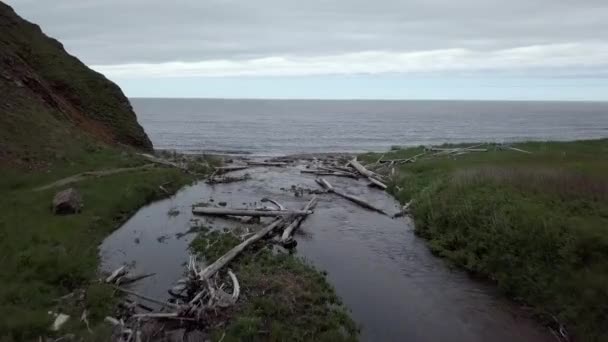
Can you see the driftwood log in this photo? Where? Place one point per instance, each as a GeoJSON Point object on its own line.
{"type": "Point", "coordinates": [519, 150]}
{"type": "Point", "coordinates": [278, 164]}
{"type": "Point", "coordinates": [212, 269]}
{"type": "Point", "coordinates": [247, 212]}
{"type": "Point", "coordinates": [327, 186]}
{"type": "Point", "coordinates": [295, 223]}
{"type": "Point", "coordinates": [330, 173]}
{"type": "Point", "coordinates": [403, 160]}
{"type": "Point", "coordinates": [277, 204]}
{"type": "Point", "coordinates": [372, 176]}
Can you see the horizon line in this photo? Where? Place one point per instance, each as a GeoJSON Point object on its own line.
{"type": "Point", "coordinates": [359, 99]}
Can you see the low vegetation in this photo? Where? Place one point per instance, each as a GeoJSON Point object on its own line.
{"type": "Point", "coordinates": [536, 224]}
{"type": "Point", "coordinates": [283, 298]}
{"type": "Point", "coordinates": [44, 257]}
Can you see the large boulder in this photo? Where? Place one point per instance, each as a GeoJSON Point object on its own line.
{"type": "Point", "coordinates": [67, 202]}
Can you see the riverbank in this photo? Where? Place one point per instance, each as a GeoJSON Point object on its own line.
{"type": "Point", "coordinates": [51, 262]}
{"type": "Point", "coordinates": [388, 282]}
{"type": "Point", "coordinates": [46, 257]}
{"type": "Point", "coordinates": [534, 223]}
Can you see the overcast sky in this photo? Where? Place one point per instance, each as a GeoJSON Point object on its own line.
{"type": "Point", "coordinates": [470, 49]}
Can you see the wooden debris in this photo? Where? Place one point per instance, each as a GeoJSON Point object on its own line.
{"type": "Point", "coordinates": [84, 318]}
{"type": "Point", "coordinates": [60, 320]}
{"type": "Point", "coordinates": [277, 204]}
{"type": "Point", "coordinates": [330, 173]}
{"type": "Point", "coordinates": [247, 212]}
{"type": "Point", "coordinates": [325, 184]}
{"type": "Point", "coordinates": [231, 254]}
{"type": "Point", "coordinates": [405, 210]}
{"type": "Point", "coordinates": [518, 150]}
{"type": "Point", "coordinates": [236, 288]}
{"type": "Point", "coordinates": [277, 164]}
{"type": "Point", "coordinates": [293, 225]}
{"type": "Point", "coordinates": [127, 279]}
{"type": "Point", "coordinates": [117, 273]}
{"type": "Point", "coordinates": [372, 176]}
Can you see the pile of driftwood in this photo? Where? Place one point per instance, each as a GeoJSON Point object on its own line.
{"type": "Point", "coordinates": [432, 151]}
{"type": "Point", "coordinates": [352, 169]}
{"type": "Point", "coordinates": [206, 288]}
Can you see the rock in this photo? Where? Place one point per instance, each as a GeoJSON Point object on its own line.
{"type": "Point", "coordinates": [67, 201]}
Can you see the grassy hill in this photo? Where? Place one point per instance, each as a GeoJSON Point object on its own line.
{"type": "Point", "coordinates": [52, 106]}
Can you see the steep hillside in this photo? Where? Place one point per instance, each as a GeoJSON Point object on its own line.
{"type": "Point", "coordinates": [50, 101]}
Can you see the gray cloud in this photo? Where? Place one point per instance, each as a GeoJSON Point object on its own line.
{"type": "Point", "coordinates": [118, 32]}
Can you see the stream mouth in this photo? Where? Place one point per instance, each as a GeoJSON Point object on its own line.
{"type": "Point", "coordinates": [395, 288]}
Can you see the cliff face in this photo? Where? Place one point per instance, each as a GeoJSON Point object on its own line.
{"type": "Point", "coordinates": [49, 98]}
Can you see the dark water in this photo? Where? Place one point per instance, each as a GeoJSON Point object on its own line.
{"type": "Point", "coordinates": [278, 127]}
{"type": "Point", "coordinates": [386, 275]}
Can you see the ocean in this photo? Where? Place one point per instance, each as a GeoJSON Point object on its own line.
{"type": "Point", "coordinates": [280, 127]}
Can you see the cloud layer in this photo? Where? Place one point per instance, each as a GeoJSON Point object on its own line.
{"type": "Point", "coordinates": [112, 32]}
{"type": "Point", "coordinates": [556, 59]}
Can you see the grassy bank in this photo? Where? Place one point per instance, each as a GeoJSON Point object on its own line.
{"type": "Point", "coordinates": [536, 224]}
{"type": "Point", "coordinates": [283, 298]}
{"type": "Point", "coordinates": [44, 257]}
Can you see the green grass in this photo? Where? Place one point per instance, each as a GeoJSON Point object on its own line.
{"type": "Point", "coordinates": [44, 257]}
{"type": "Point", "coordinates": [536, 224]}
{"type": "Point", "coordinates": [283, 298]}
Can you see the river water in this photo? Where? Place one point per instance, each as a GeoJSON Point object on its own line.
{"type": "Point", "coordinates": [396, 289]}
{"type": "Point", "coordinates": [281, 127]}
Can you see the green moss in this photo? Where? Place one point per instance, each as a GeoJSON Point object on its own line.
{"type": "Point", "coordinates": [283, 297]}
{"type": "Point", "coordinates": [536, 224]}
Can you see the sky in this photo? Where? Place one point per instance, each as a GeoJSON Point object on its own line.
{"type": "Point", "coordinates": [346, 49]}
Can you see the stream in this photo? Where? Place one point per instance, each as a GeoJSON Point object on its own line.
{"type": "Point", "coordinates": [394, 287]}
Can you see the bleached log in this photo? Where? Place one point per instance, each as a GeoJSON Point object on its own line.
{"type": "Point", "coordinates": [60, 320]}
{"type": "Point", "coordinates": [404, 210]}
{"type": "Point", "coordinates": [117, 273]}
{"type": "Point", "coordinates": [325, 184]}
{"type": "Point", "coordinates": [330, 173]}
{"type": "Point", "coordinates": [361, 169]}
{"type": "Point", "coordinates": [519, 150]}
{"type": "Point", "coordinates": [339, 169]}
{"type": "Point", "coordinates": [377, 183]}
{"type": "Point", "coordinates": [293, 225]}
{"type": "Point", "coordinates": [247, 212]}
{"type": "Point", "coordinates": [277, 204]}
{"type": "Point", "coordinates": [112, 321]}
{"type": "Point", "coordinates": [372, 176]}
{"type": "Point", "coordinates": [131, 279]}
{"type": "Point", "coordinates": [212, 269]}
{"type": "Point", "coordinates": [254, 163]}
{"type": "Point", "coordinates": [236, 288]}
